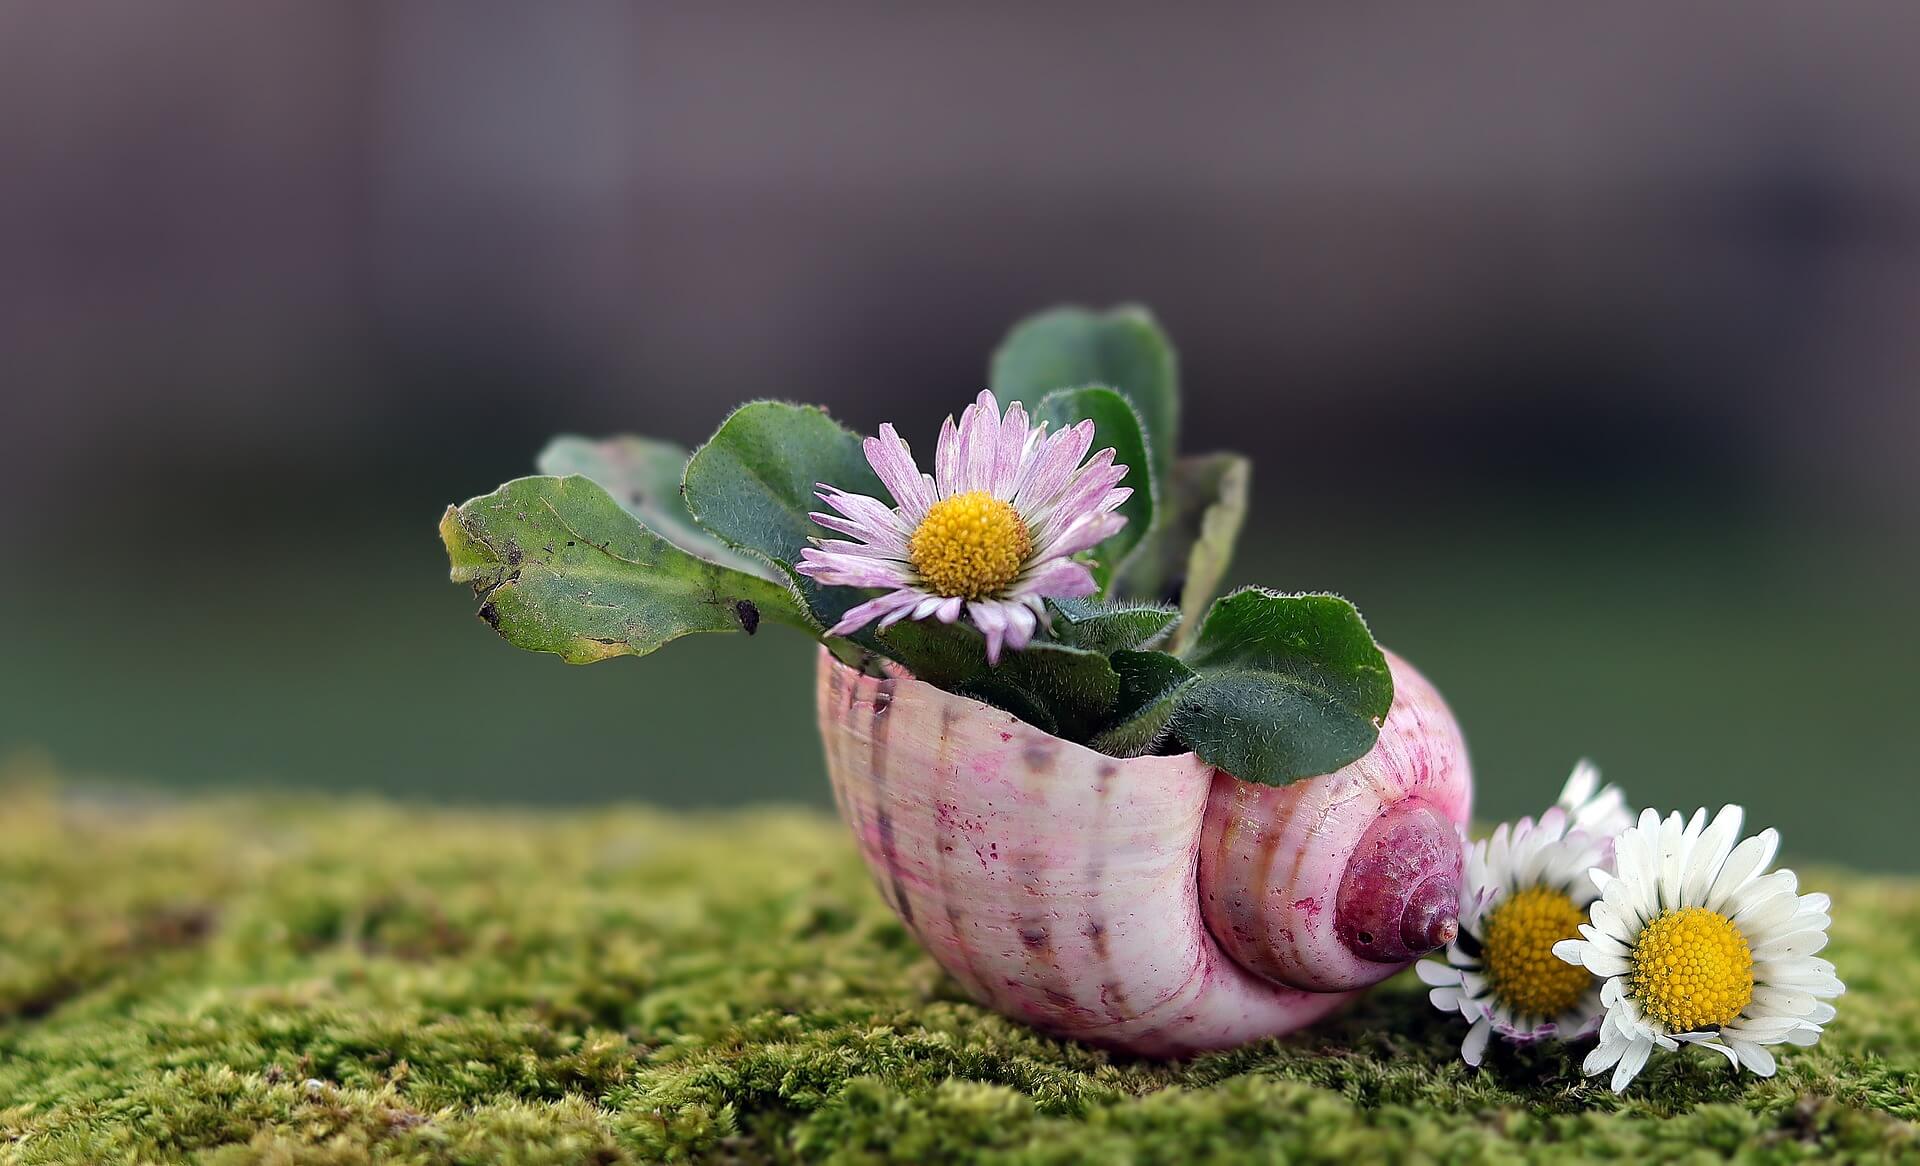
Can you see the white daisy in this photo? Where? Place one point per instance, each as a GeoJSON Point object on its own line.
{"type": "Point", "coordinates": [1697, 945]}
{"type": "Point", "coordinates": [1526, 888]}
{"type": "Point", "coordinates": [1592, 807]}
{"type": "Point", "coordinates": [991, 532]}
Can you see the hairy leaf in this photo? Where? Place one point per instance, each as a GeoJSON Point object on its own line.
{"type": "Point", "coordinates": [944, 655]}
{"type": "Point", "coordinates": [1110, 627]}
{"type": "Point", "coordinates": [560, 567]}
{"type": "Point", "coordinates": [1151, 684]}
{"type": "Point", "coordinates": [753, 484]}
{"type": "Point", "coordinates": [1068, 691]}
{"type": "Point", "coordinates": [1075, 689]}
{"type": "Point", "coordinates": [1115, 426]}
{"type": "Point", "coordinates": [1068, 347]}
{"type": "Point", "coordinates": [1289, 686]}
{"type": "Point", "coordinates": [643, 475]}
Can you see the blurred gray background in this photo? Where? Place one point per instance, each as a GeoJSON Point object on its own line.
{"type": "Point", "coordinates": [1578, 347]}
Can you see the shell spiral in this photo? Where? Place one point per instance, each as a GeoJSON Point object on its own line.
{"type": "Point", "coordinates": [1153, 905]}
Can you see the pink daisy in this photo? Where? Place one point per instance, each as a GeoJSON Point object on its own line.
{"type": "Point", "coordinates": [990, 532]}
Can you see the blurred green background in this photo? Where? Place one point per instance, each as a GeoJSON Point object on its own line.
{"type": "Point", "coordinates": [1578, 349]}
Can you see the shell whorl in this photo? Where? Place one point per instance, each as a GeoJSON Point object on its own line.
{"type": "Point", "coordinates": [1059, 886]}
{"type": "Point", "coordinates": [1337, 882]}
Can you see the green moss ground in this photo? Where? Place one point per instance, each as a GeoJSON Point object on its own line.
{"type": "Point", "coordinates": [320, 981]}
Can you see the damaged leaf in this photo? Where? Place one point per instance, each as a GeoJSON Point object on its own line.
{"type": "Point", "coordinates": [560, 567]}
{"type": "Point", "coordinates": [643, 475]}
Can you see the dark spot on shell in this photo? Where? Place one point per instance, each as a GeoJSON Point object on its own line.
{"type": "Point", "coordinates": [491, 614]}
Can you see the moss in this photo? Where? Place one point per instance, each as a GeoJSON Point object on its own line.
{"type": "Point", "coordinates": [324, 981]}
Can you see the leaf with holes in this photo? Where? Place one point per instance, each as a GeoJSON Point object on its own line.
{"type": "Point", "coordinates": [643, 475]}
{"type": "Point", "coordinates": [560, 567]}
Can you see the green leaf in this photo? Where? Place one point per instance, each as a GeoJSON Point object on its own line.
{"type": "Point", "coordinates": [1067, 691]}
{"type": "Point", "coordinates": [944, 655]}
{"type": "Point", "coordinates": [560, 567]}
{"type": "Point", "coordinates": [1151, 684]}
{"type": "Point", "coordinates": [1075, 689]}
{"type": "Point", "coordinates": [753, 484]}
{"type": "Point", "coordinates": [1187, 555]}
{"type": "Point", "coordinates": [1125, 348]}
{"type": "Point", "coordinates": [1115, 425]}
{"type": "Point", "coordinates": [1107, 628]}
{"type": "Point", "coordinates": [1289, 686]}
{"type": "Point", "coordinates": [643, 475]}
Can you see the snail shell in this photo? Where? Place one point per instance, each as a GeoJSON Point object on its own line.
{"type": "Point", "coordinates": [1153, 905]}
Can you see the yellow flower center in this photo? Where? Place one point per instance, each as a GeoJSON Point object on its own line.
{"type": "Point", "coordinates": [1518, 950]}
{"type": "Point", "coordinates": [970, 545]}
{"type": "Point", "coordinates": [1691, 969]}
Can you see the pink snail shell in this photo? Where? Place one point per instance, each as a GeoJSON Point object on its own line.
{"type": "Point", "coordinates": [1153, 905]}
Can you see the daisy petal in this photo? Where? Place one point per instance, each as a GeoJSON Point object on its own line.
{"type": "Point", "coordinates": [1786, 1001]}
{"type": "Point", "coordinates": [1763, 918]}
{"type": "Point", "coordinates": [1085, 533]}
{"type": "Point", "coordinates": [1711, 852]}
{"type": "Point", "coordinates": [1603, 964]}
{"type": "Point", "coordinates": [1010, 457]}
{"type": "Point", "coordinates": [893, 462]}
{"type": "Point", "coordinates": [991, 619]}
{"type": "Point", "coordinates": [980, 445]}
{"type": "Point", "coordinates": [946, 459]}
{"type": "Point", "coordinates": [1747, 858]}
{"type": "Point", "coordinates": [846, 571]}
{"type": "Point", "coordinates": [1020, 625]}
{"type": "Point", "coordinates": [1474, 1049]}
{"type": "Point", "coordinates": [1755, 1058]}
{"type": "Point", "coordinates": [873, 609]}
{"type": "Point", "coordinates": [1732, 1057]}
{"type": "Point", "coordinates": [1605, 1055]}
{"type": "Point", "coordinates": [1631, 1062]}
{"type": "Point", "coordinates": [1060, 579]}
{"type": "Point", "coordinates": [1799, 943]}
